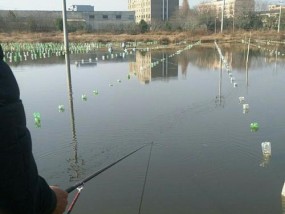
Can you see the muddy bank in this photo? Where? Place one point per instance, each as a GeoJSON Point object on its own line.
{"type": "Point", "coordinates": [161, 37]}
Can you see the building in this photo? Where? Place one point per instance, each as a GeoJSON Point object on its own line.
{"type": "Point", "coordinates": [275, 7]}
{"type": "Point", "coordinates": [108, 19]}
{"type": "Point", "coordinates": [153, 10]}
{"type": "Point", "coordinates": [231, 7]}
{"type": "Point", "coordinates": [81, 8]}
{"type": "Point", "coordinates": [270, 18]}
{"type": "Point", "coordinates": [45, 20]}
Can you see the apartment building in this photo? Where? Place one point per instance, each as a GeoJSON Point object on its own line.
{"type": "Point", "coordinates": [275, 7]}
{"type": "Point", "coordinates": [153, 10]}
{"type": "Point", "coordinates": [231, 7]}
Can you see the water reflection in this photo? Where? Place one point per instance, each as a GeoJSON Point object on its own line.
{"type": "Point", "coordinates": [235, 55]}
{"type": "Point", "coordinates": [220, 98]}
{"type": "Point", "coordinates": [165, 70]}
{"type": "Point", "coordinates": [200, 56]}
{"type": "Point", "coordinates": [76, 170]}
{"type": "Point", "coordinates": [283, 204]}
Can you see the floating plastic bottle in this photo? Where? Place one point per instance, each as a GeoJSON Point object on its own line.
{"type": "Point", "coordinates": [37, 119]}
{"type": "Point", "coordinates": [283, 192]}
{"type": "Point", "coordinates": [265, 161]}
{"type": "Point", "coordinates": [266, 148]}
{"type": "Point", "coordinates": [283, 200]}
{"type": "Point", "coordinates": [95, 92]}
{"type": "Point", "coordinates": [37, 115]}
{"type": "Point", "coordinates": [84, 97]}
{"type": "Point", "coordinates": [61, 108]}
{"type": "Point", "coordinates": [254, 127]}
{"type": "Point", "coordinates": [245, 107]}
{"type": "Point", "coordinates": [241, 99]}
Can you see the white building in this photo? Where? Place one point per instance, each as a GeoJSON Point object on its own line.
{"type": "Point", "coordinates": [231, 7]}
{"type": "Point", "coordinates": [81, 8]}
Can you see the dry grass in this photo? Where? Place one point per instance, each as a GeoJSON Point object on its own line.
{"type": "Point", "coordinates": [172, 37]}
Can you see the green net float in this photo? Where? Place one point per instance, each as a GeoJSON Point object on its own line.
{"type": "Point", "coordinates": [84, 97]}
{"type": "Point", "coordinates": [37, 115]}
{"type": "Point", "coordinates": [254, 126]}
{"type": "Point", "coordinates": [61, 108]}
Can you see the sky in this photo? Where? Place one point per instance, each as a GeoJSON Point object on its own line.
{"type": "Point", "coordinates": [99, 5]}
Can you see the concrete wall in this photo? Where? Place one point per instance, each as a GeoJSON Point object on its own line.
{"type": "Point", "coordinates": [17, 19]}
{"type": "Point", "coordinates": [100, 19]}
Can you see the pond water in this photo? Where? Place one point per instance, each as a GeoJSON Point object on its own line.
{"type": "Point", "coordinates": [205, 159]}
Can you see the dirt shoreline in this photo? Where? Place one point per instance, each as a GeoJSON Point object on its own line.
{"type": "Point", "coordinates": [170, 37]}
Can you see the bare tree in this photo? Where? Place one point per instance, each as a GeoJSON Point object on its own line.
{"type": "Point", "coordinates": [185, 8]}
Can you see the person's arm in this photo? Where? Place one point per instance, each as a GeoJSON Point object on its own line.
{"type": "Point", "coordinates": [22, 189]}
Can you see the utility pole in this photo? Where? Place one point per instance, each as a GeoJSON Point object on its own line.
{"type": "Point", "coordinates": [167, 10]}
{"type": "Point", "coordinates": [215, 25]}
{"type": "Point", "coordinates": [222, 21]}
{"type": "Point", "coordinates": [163, 10]}
{"type": "Point", "coordinates": [279, 18]}
{"type": "Point", "coordinates": [233, 20]}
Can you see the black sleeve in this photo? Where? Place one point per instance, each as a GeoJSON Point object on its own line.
{"type": "Point", "coordinates": [22, 190]}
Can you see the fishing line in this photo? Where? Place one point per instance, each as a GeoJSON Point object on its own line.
{"type": "Point", "coordinates": [145, 178]}
{"type": "Point", "coordinates": [81, 183]}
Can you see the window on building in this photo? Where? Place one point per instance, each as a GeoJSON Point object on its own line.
{"type": "Point", "coordinates": [118, 16]}
{"type": "Point", "coordinates": [105, 16]}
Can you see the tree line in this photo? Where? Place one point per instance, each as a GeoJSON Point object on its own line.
{"type": "Point", "coordinates": [184, 19]}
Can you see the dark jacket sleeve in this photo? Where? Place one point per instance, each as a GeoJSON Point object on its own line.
{"type": "Point", "coordinates": [22, 190]}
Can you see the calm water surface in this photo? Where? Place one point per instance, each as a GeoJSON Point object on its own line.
{"type": "Point", "coordinates": [204, 160]}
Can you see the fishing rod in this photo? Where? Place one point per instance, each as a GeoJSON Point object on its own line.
{"type": "Point", "coordinates": [79, 189]}
{"type": "Point", "coordinates": [81, 183]}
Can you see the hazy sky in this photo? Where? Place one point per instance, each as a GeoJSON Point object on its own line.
{"type": "Point", "coordinates": [57, 4]}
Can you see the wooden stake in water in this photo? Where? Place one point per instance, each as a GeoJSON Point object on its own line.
{"type": "Point", "coordinates": [247, 59]}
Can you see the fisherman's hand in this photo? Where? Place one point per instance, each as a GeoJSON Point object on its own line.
{"type": "Point", "coordinates": [61, 198]}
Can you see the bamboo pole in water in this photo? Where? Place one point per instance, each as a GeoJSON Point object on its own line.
{"type": "Point", "coordinates": [66, 43]}
{"type": "Point", "coordinates": [247, 59]}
